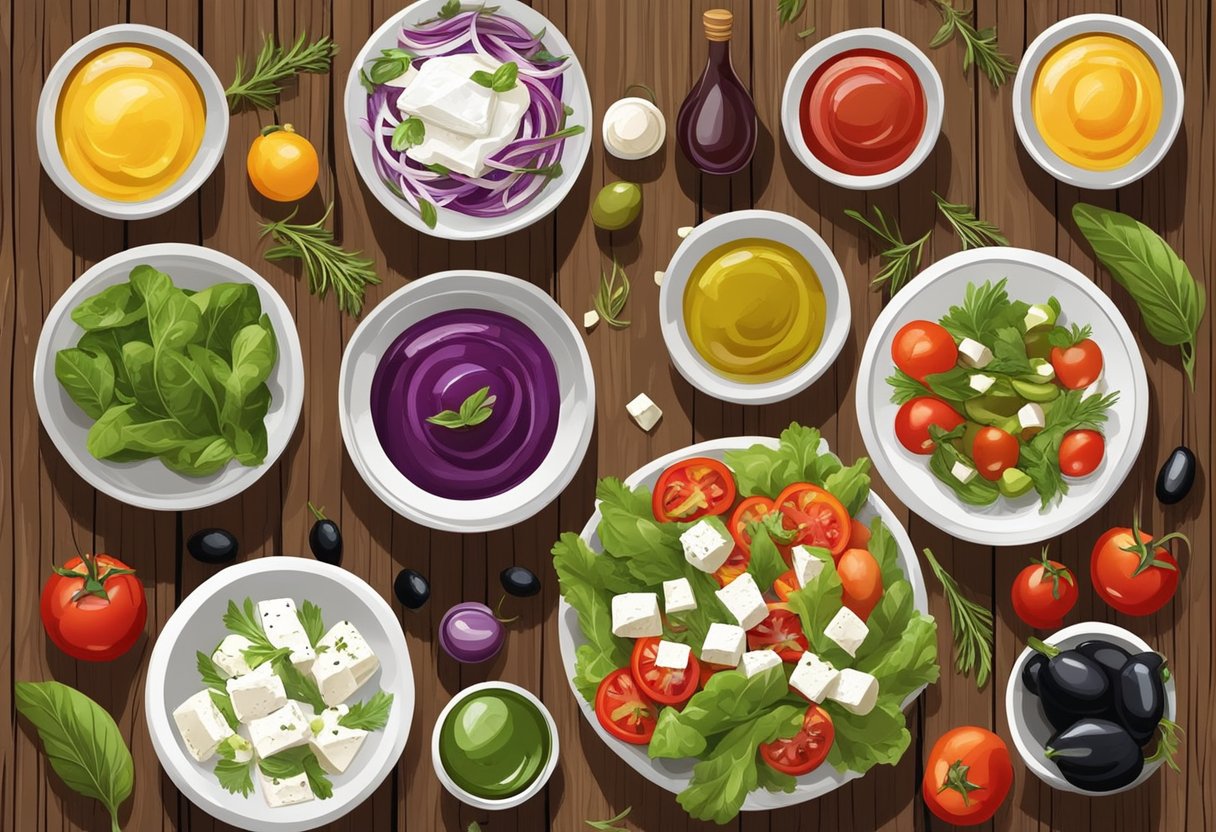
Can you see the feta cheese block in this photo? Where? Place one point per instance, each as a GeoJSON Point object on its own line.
{"type": "Point", "coordinates": [334, 678]}
{"type": "Point", "coordinates": [743, 598]}
{"type": "Point", "coordinates": [644, 412]}
{"type": "Point", "coordinates": [707, 545]}
{"type": "Point", "coordinates": [282, 626]}
{"type": "Point", "coordinates": [229, 657]}
{"type": "Point", "coordinates": [758, 661]}
{"type": "Point", "coordinates": [334, 744]}
{"type": "Point", "coordinates": [285, 791]}
{"type": "Point", "coordinates": [1030, 416]}
{"type": "Point", "coordinates": [257, 693]}
{"type": "Point", "coordinates": [201, 725]}
{"type": "Point", "coordinates": [856, 691]}
{"type": "Point", "coordinates": [672, 654]}
{"type": "Point", "coordinates": [590, 319]}
{"type": "Point", "coordinates": [723, 644]}
{"type": "Point", "coordinates": [962, 472]}
{"type": "Point", "coordinates": [847, 630]}
{"type": "Point", "coordinates": [974, 353]}
{"type": "Point", "coordinates": [813, 677]}
{"type": "Point", "coordinates": [288, 727]}
{"type": "Point", "coordinates": [678, 596]}
{"type": "Point", "coordinates": [346, 642]}
{"type": "Point", "coordinates": [444, 94]}
{"type": "Point", "coordinates": [806, 566]}
{"type": "Point", "coordinates": [636, 615]}
{"type": "Point", "coordinates": [980, 382]}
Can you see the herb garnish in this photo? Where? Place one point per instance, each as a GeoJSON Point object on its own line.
{"type": "Point", "coordinates": [610, 825]}
{"type": "Point", "coordinates": [369, 715]}
{"type": "Point", "coordinates": [788, 10]}
{"type": "Point", "coordinates": [391, 63]}
{"type": "Point", "coordinates": [981, 46]}
{"type": "Point", "coordinates": [974, 232]}
{"type": "Point", "coordinates": [474, 410]}
{"type": "Point", "coordinates": [274, 66]}
{"type": "Point", "coordinates": [900, 260]}
{"type": "Point", "coordinates": [296, 761]}
{"type": "Point", "coordinates": [409, 133]}
{"type": "Point", "coordinates": [1167, 744]}
{"type": "Point", "coordinates": [612, 296]}
{"type": "Point", "coordinates": [244, 621]}
{"type": "Point", "coordinates": [500, 80]}
{"type": "Point", "coordinates": [971, 625]}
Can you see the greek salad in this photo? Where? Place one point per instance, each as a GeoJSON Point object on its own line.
{"type": "Point", "coordinates": [742, 615]}
{"type": "Point", "coordinates": [1001, 396]}
{"type": "Point", "coordinates": [275, 701]}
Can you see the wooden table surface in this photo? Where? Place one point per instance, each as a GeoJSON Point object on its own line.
{"type": "Point", "coordinates": [47, 514]}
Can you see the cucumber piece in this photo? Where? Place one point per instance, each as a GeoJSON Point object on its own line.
{"type": "Point", "coordinates": [1014, 482]}
{"type": "Point", "coordinates": [992, 410]}
{"type": "Point", "coordinates": [1035, 392]}
{"type": "Point", "coordinates": [1039, 315]}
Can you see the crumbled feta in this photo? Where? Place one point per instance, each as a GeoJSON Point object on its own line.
{"type": "Point", "coordinates": [288, 727]}
{"type": "Point", "coordinates": [706, 546]}
{"type": "Point", "coordinates": [758, 661]}
{"type": "Point", "coordinates": [980, 382]}
{"type": "Point", "coordinates": [813, 677]}
{"type": "Point", "coordinates": [201, 725]}
{"type": "Point", "coordinates": [257, 693]}
{"type": "Point", "coordinates": [636, 615]}
{"type": "Point", "coordinates": [678, 596]}
{"type": "Point", "coordinates": [229, 657]}
{"type": "Point", "coordinates": [962, 472]}
{"type": "Point", "coordinates": [1030, 416]}
{"type": "Point", "coordinates": [644, 411]}
{"type": "Point", "coordinates": [974, 353]}
{"type": "Point", "coordinates": [673, 655]}
{"type": "Point", "coordinates": [847, 630]}
{"type": "Point", "coordinates": [723, 645]}
{"type": "Point", "coordinates": [742, 597]}
{"type": "Point", "coordinates": [806, 566]}
{"type": "Point", "coordinates": [658, 278]}
{"type": "Point", "coordinates": [590, 319]}
{"type": "Point", "coordinates": [856, 691]}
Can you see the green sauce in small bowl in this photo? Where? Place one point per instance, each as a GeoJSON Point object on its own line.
{"type": "Point", "coordinates": [494, 744]}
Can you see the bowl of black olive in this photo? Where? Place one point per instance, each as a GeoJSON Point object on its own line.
{"type": "Point", "coordinates": [1091, 709]}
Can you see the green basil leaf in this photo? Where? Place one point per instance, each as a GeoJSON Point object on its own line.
{"type": "Point", "coordinates": [429, 215]}
{"type": "Point", "coordinates": [450, 9]}
{"type": "Point", "coordinates": [483, 78]}
{"type": "Point", "coordinates": [115, 306]}
{"type": "Point", "coordinates": [409, 133]}
{"type": "Point", "coordinates": [505, 77]}
{"type": "Point", "coordinates": [87, 378]}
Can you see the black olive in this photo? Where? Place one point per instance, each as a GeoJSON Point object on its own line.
{"type": "Point", "coordinates": [519, 581]}
{"type": "Point", "coordinates": [1073, 687]}
{"type": "Point", "coordinates": [213, 546]}
{"type": "Point", "coordinates": [1140, 696]}
{"type": "Point", "coordinates": [1030, 672]}
{"type": "Point", "coordinates": [1176, 476]}
{"type": "Point", "coordinates": [1096, 755]}
{"type": "Point", "coordinates": [1110, 657]}
{"type": "Point", "coordinates": [325, 539]}
{"type": "Point", "coordinates": [411, 589]}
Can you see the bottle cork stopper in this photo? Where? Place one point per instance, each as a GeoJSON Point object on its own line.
{"type": "Point", "coordinates": [718, 23]}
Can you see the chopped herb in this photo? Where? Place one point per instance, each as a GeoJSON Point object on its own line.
{"type": "Point", "coordinates": [971, 625]}
{"type": "Point", "coordinates": [611, 825]}
{"type": "Point", "coordinates": [788, 10]}
{"type": "Point", "coordinates": [502, 79]}
{"type": "Point", "coordinates": [369, 715]}
{"type": "Point", "coordinates": [612, 296]}
{"type": "Point", "coordinates": [409, 133]}
{"type": "Point", "coordinates": [392, 63]}
{"type": "Point", "coordinates": [474, 410]}
{"type": "Point", "coordinates": [428, 213]}
{"type": "Point", "coordinates": [900, 259]}
{"type": "Point", "coordinates": [274, 66]}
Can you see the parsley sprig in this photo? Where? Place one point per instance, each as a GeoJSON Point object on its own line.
{"type": "Point", "coordinates": [981, 45]}
{"type": "Point", "coordinates": [370, 714]}
{"type": "Point", "coordinates": [971, 625]}
{"type": "Point", "coordinates": [275, 66]}
{"type": "Point", "coordinates": [900, 259]}
{"type": "Point", "coordinates": [243, 621]}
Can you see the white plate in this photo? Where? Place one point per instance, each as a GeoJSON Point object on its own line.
{"type": "Point", "coordinates": [467, 290]}
{"type": "Point", "coordinates": [1032, 277]}
{"type": "Point", "coordinates": [197, 625]}
{"type": "Point", "coordinates": [452, 225]}
{"type": "Point", "coordinates": [674, 775]}
{"type": "Point", "coordinates": [148, 483]}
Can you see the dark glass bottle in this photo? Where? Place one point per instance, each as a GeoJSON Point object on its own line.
{"type": "Point", "coordinates": [716, 127]}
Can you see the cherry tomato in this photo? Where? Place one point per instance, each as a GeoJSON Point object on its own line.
{"type": "Point", "coordinates": [994, 450]}
{"type": "Point", "coordinates": [735, 565]}
{"type": "Point", "coordinates": [623, 710]}
{"type": "Point", "coordinates": [692, 489]}
{"type": "Point", "coordinates": [665, 685]}
{"type": "Point", "coordinates": [1132, 576]}
{"type": "Point", "coordinates": [914, 418]}
{"type": "Point", "coordinates": [746, 513]}
{"type": "Point", "coordinates": [1077, 366]}
{"type": "Point", "coordinates": [1044, 593]}
{"type": "Point", "coordinates": [817, 518]}
{"type": "Point", "coordinates": [1081, 452]}
{"type": "Point", "coordinates": [785, 584]}
{"type": "Point", "coordinates": [93, 608]}
{"type": "Point", "coordinates": [806, 750]}
{"type": "Point", "coordinates": [860, 581]}
{"type": "Point", "coordinates": [967, 776]}
{"type": "Point", "coordinates": [282, 164]}
{"type": "Point", "coordinates": [780, 631]}
{"type": "Point", "coordinates": [922, 348]}
{"type": "Point", "coordinates": [859, 533]}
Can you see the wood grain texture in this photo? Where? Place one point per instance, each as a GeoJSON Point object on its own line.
{"type": "Point", "coordinates": [47, 514]}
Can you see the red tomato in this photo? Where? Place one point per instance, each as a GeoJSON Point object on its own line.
{"type": "Point", "coordinates": [1077, 366]}
{"type": "Point", "coordinates": [693, 488]}
{"type": "Point", "coordinates": [967, 776]}
{"type": "Point", "coordinates": [94, 608]}
{"type": "Point", "coordinates": [1132, 576]}
{"type": "Point", "coordinates": [746, 513]}
{"type": "Point", "coordinates": [664, 685]}
{"type": "Point", "coordinates": [736, 565]}
{"type": "Point", "coordinates": [817, 518]}
{"type": "Point", "coordinates": [922, 348]}
{"type": "Point", "coordinates": [781, 631]}
{"type": "Point", "coordinates": [786, 583]}
{"type": "Point", "coordinates": [806, 750]}
{"type": "Point", "coordinates": [623, 710]}
{"type": "Point", "coordinates": [994, 450]}
{"type": "Point", "coordinates": [914, 418]}
{"type": "Point", "coordinates": [1044, 593]}
{"type": "Point", "coordinates": [708, 670]}
{"type": "Point", "coordinates": [1081, 452]}
{"type": "Point", "coordinates": [860, 582]}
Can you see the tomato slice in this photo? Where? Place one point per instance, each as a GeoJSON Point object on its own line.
{"type": "Point", "coordinates": [748, 512]}
{"type": "Point", "coordinates": [708, 670]}
{"type": "Point", "coordinates": [785, 584]}
{"type": "Point", "coordinates": [623, 710]}
{"type": "Point", "coordinates": [693, 488]}
{"type": "Point", "coordinates": [806, 750]}
{"type": "Point", "coordinates": [816, 516]}
{"type": "Point", "coordinates": [780, 631]}
{"type": "Point", "coordinates": [735, 566]}
{"type": "Point", "coordinates": [665, 685]}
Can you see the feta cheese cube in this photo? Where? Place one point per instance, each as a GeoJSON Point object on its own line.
{"type": "Point", "coordinates": [806, 566]}
{"type": "Point", "coordinates": [847, 630]}
{"type": "Point", "coordinates": [683, 231]}
{"type": "Point", "coordinates": [673, 655]}
{"type": "Point", "coordinates": [743, 598]}
{"type": "Point", "coordinates": [229, 657]}
{"type": "Point", "coordinates": [855, 691]}
{"type": "Point", "coordinates": [813, 677]}
{"type": "Point", "coordinates": [286, 791]}
{"type": "Point", "coordinates": [282, 626]}
{"type": "Point", "coordinates": [335, 745]}
{"type": "Point", "coordinates": [658, 278]}
{"type": "Point", "coordinates": [758, 661]}
{"type": "Point", "coordinates": [590, 319]}
{"type": "Point", "coordinates": [1030, 416]}
{"type": "Point", "coordinates": [257, 693]}
{"type": "Point", "coordinates": [962, 472]}
{"type": "Point", "coordinates": [636, 615]}
{"type": "Point", "coordinates": [344, 641]}
{"type": "Point", "coordinates": [444, 94]}
{"type": "Point", "coordinates": [288, 727]}
{"type": "Point", "coordinates": [201, 725]}
{"type": "Point", "coordinates": [678, 596]}
{"type": "Point", "coordinates": [974, 353]}
{"type": "Point", "coordinates": [980, 382]}
{"type": "Point", "coordinates": [706, 545]}
{"type": "Point", "coordinates": [334, 678]}
{"type": "Point", "coordinates": [1043, 369]}
{"type": "Point", "coordinates": [644, 411]}
{"type": "Point", "coordinates": [723, 645]}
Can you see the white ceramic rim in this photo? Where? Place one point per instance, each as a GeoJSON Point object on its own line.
{"type": "Point", "coordinates": [718, 231]}
{"type": "Point", "coordinates": [506, 802]}
{"type": "Point", "coordinates": [1034, 760]}
{"type": "Point", "coordinates": [161, 730]}
{"type": "Point", "coordinates": [577, 96]}
{"type": "Point", "coordinates": [289, 367]}
{"type": "Point", "coordinates": [647, 105]}
{"type": "Point", "coordinates": [486, 514]}
{"type": "Point", "coordinates": [876, 438]}
{"type": "Point", "coordinates": [1172, 100]}
{"type": "Point", "coordinates": [658, 771]}
{"type": "Point", "coordinates": [828, 48]}
{"type": "Point", "coordinates": [210, 150]}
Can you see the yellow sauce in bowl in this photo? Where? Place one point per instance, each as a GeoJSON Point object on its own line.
{"type": "Point", "coordinates": [754, 310]}
{"type": "Point", "coordinates": [129, 122]}
{"type": "Point", "coordinates": [1097, 101]}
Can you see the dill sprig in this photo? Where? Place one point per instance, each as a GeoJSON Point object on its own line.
{"type": "Point", "coordinates": [900, 259]}
{"type": "Point", "coordinates": [612, 296]}
{"type": "Point", "coordinates": [971, 625]}
{"type": "Point", "coordinates": [981, 45]}
{"type": "Point", "coordinates": [275, 65]}
{"type": "Point", "coordinates": [974, 232]}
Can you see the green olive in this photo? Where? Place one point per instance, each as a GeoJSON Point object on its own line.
{"type": "Point", "coordinates": [617, 205]}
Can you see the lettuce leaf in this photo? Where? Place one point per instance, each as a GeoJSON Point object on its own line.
{"type": "Point", "coordinates": [862, 742]}
{"type": "Point", "coordinates": [574, 563]}
{"type": "Point", "coordinates": [850, 485]}
{"type": "Point", "coordinates": [816, 604]}
{"type": "Point", "coordinates": [728, 699]}
{"type": "Point", "coordinates": [910, 662]}
{"type": "Point", "coordinates": [883, 547]}
{"type": "Point", "coordinates": [766, 564]}
{"type": "Point", "coordinates": [764, 471]}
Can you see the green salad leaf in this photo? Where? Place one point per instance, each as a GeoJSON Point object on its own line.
{"type": "Point", "coordinates": [850, 485]}
{"type": "Point", "coordinates": [816, 604]}
{"type": "Point", "coordinates": [370, 714]}
{"type": "Point", "coordinates": [885, 550]}
{"type": "Point", "coordinates": [728, 699]}
{"type": "Point", "coordinates": [578, 579]}
{"type": "Point", "coordinates": [862, 742]}
{"type": "Point", "coordinates": [978, 491]}
{"type": "Point", "coordinates": [764, 471]}
{"type": "Point", "coordinates": [296, 761]}
{"type": "Point", "coordinates": [766, 564]}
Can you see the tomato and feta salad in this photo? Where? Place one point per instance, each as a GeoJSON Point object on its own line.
{"type": "Point", "coordinates": [744, 614]}
{"type": "Point", "coordinates": [1001, 397]}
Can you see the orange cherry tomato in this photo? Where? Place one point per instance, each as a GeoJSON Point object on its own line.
{"type": "Point", "coordinates": [1077, 366]}
{"type": "Point", "coordinates": [693, 489]}
{"type": "Point", "coordinates": [859, 533]}
{"type": "Point", "coordinates": [623, 710]}
{"type": "Point", "coordinates": [1081, 452]}
{"type": "Point", "coordinates": [860, 581]}
{"type": "Point", "coordinates": [914, 418]}
{"type": "Point", "coordinates": [282, 164]}
{"type": "Point", "coordinates": [994, 450]}
{"type": "Point", "coordinates": [806, 750]}
{"type": "Point", "coordinates": [922, 348]}
{"type": "Point", "coordinates": [817, 518]}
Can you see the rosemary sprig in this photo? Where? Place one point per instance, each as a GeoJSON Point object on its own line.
{"type": "Point", "coordinates": [974, 232]}
{"type": "Point", "coordinates": [610, 825]}
{"type": "Point", "coordinates": [327, 265]}
{"type": "Point", "coordinates": [981, 45]}
{"type": "Point", "coordinates": [612, 296]}
{"type": "Point", "coordinates": [900, 260]}
{"type": "Point", "coordinates": [788, 10]}
{"type": "Point", "coordinates": [971, 625]}
{"type": "Point", "coordinates": [274, 66]}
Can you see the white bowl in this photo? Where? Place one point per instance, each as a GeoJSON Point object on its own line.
{"type": "Point", "coordinates": [506, 802]}
{"type": "Point", "coordinates": [1171, 86]}
{"type": "Point", "coordinates": [1032, 277]}
{"type": "Point", "coordinates": [1029, 727]}
{"type": "Point", "coordinates": [738, 225]}
{"type": "Point", "coordinates": [215, 132]}
{"type": "Point", "coordinates": [452, 225]}
{"type": "Point", "coordinates": [148, 483]}
{"type": "Point", "coordinates": [828, 48]}
{"type": "Point", "coordinates": [467, 290]}
{"type": "Point", "coordinates": [675, 775]}
{"type": "Point", "coordinates": [197, 625]}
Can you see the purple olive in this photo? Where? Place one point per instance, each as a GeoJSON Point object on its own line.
{"type": "Point", "coordinates": [470, 633]}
